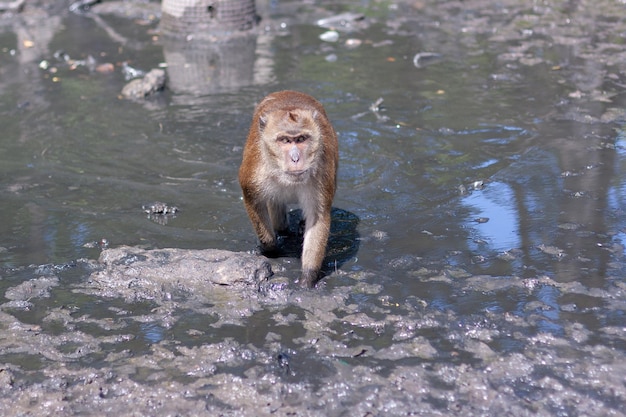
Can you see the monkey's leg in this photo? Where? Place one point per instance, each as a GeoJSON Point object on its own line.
{"type": "Point", "coordinates": [314, 248]}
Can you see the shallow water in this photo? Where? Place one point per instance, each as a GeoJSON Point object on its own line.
{"type": "Point", "coordinates": [487, 188]}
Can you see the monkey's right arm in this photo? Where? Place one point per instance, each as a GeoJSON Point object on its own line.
{"type": "Point", "coordinates": [260, 219]}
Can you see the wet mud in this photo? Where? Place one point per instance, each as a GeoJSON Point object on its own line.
{"type": "Point", "coordinates": [318, 353]}
{"type": "Point", "coordinates": [419, 313]}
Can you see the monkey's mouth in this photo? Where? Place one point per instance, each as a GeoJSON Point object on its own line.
{"type": "Point", "coordinates": [297, 173]}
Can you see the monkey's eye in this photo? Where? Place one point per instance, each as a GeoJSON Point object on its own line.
{"type": "Point", "coordinates": [301, 138]}
{"type": "Point", "coordinates": [284, 139]}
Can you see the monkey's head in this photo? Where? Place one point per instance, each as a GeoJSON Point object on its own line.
{"type": "Point", "coordinates": [291, 138]}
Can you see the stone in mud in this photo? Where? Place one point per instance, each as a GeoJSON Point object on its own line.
{"type": "Point", "coordinates": [34, 288]}
{"type": "Point", "coordinates": [142, 87]}
{"type": "Point", "coordinates": [147, 274]}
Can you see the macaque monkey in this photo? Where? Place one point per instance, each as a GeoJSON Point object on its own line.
{"type": "Point", "coordinates": [291, 156]}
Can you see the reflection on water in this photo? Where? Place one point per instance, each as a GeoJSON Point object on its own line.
{"type": "Point", "coordinates": [153, 333]}
{"type": "Point", "coordinates": [495, 210]}
{"type": "Point", "coordinates": [202, 68]}
{"type": "Point", "coordinates": [549, 310]}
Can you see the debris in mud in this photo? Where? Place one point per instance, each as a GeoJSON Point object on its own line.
{"type": "Point", "coordinates": [330, 36]}
{"type": "Point", "coordinates": [105, 68]}
{"type": "Point", "coordinates": [160, 213]}
{"type": "Point", "coordinates": [82, 6]}
{"type": "Point", "coordinates": [159, 208]}
{"type": "Point", "coordinates": [151, 83]}
{"type": "Point", "coordinates": [374, 108]}
{"type": "Point", "coordinates": [101, 244]}
{"type": "Point", "coordinates": [131, 72]}
{"type": "Point", "coordinates": [64, 60]}
{"type": "Point", "coordinates": [343, 21]}
{"type": "Point", "coordinates": [380, 235]}
{"type": "Point", "coordinates": [478, 185]}
{"type": "Point", "coordinates": [420, 58]}
{"type": "Point", "coordinates": [353, 43]}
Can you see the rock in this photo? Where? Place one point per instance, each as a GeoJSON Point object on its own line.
{"type": "Point", "coordinates": [140, 88]}
{"type": "Point", "coordinates": [136, 273]}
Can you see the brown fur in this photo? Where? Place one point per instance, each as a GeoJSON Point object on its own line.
{"type": "Point", "coordinates": [291, 156]}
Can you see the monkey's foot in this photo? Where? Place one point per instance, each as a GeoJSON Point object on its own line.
{"type": "Point", "coordinates": [269, 249]}
{"type": "Point", "coordinates": [309, 278]}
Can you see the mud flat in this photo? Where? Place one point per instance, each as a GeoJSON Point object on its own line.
{"type": "Point", "coordinates": [322, 355]}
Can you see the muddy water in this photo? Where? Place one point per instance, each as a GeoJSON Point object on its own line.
{"type": "Point", "coordinates": [484, 180]}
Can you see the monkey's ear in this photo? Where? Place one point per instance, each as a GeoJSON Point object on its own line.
{"type": "Point", "coordinates": [262, 122]}
{"type": "Point", "coordinates": [314, 114]}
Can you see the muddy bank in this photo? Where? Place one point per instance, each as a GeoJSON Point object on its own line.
{"type": "Point", "coordinates": [317, 352]}
{"type": "Point", "coordinates": [133, 273]}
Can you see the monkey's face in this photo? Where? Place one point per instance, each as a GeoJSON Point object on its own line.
{"type": "Point", "coordinates": [292, 139]}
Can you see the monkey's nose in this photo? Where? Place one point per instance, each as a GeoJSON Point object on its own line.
{"type": "Point", "coordinates": [294, 154]}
